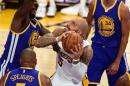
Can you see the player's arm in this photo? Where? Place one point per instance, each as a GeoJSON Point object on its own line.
{"type": "Point", "coordinates": [50, 38]}
{"type": "Point", "coordinates": [43, 30]}
{"type": "Point", "coordinates": [125, 31]}
{"type": "Point", "coordinates": [2, 80]}
{"type": "Point", "coordinates": [124, 15]}
{"type": "Point", "coordinates": [45, 81]}
{"type": "Point", "coordinates": [20, 16]}
{"type": "Point", "coordinates": [90, 16]}
{"type": "Point", "coordinates": [87, 55]}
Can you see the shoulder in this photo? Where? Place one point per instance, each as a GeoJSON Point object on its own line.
{"type": "Point", "coordinates": [92, 5]}
{"type": "Point", "coordinates": [45, 81]}
{"type": "Point", "coordinates": [124, 11]}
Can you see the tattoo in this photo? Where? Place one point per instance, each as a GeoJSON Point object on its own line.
{"type": "Point", "coordinates": [43, 30]}
{"type": "Point", "coordinates": [46, 40]}
{"type": "Point", "coordinates": [58, 31]}
{"type": "Point", "coordinates": [87, 55]}
{"type": "Point", "coordinates": [49, 39]}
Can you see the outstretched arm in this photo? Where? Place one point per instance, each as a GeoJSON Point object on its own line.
{"type": "Point", "coordinates": [50, 38]}
{"type": "Point", "coordinates": [43, 30]}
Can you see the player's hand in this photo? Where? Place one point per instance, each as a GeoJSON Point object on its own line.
{"type": "Point", "coordinates": [77, 51]}
{"type": "Point", "coordinates": [64, 35]}
{"type": "Point", "coordinates": [113, 68]}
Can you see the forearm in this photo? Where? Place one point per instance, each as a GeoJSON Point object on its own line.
{"type": "Point", "coordinates": [122, 48]}
{"type": "Point", "coordinates": [50, 38]}
{"type": "Point", "coordinates": [45, 41]}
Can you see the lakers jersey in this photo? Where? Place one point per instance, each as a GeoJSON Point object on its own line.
{"type": "Point", "coordinates": [66, 70]}
{"type": "Point", "coordinates": [107, 24]}
{"type": "Point", "coordinates": [16, 42]}
{"type": "Point", "coordinates": [23, 77]}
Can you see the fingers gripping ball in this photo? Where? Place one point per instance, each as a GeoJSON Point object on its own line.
{"type": "Point", "coordinates": [72, 40]}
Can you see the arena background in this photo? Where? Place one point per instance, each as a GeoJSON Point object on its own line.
{"type": "Point", "coordinates": [46, 56]}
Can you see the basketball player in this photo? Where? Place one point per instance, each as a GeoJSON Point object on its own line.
{"type": "Point", "coordinates": [69, 74]}
{"type": "Point", "coordinates": [109, 42]}
{"type": "Point", "coordinates": [25, 30]}
{"type": "Point", "coordinates": [26, 75]}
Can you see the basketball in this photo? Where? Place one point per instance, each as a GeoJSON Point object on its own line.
{"type": "Point", "coordinates": [72, 40]}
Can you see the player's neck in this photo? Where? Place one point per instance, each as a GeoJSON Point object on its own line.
{"type": "Point", "coordinates": [26, 68]}
{"type": "Point", "coordinates": [108, 3]}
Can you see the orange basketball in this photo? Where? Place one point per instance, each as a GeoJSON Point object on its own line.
{"type": "Point", "coordinates": [72, 40]}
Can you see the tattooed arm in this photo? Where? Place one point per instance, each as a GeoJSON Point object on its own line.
{"type": "Point", "coordinates": [87, 55]}
{"type": "Point", "coordinates": [50, 38]}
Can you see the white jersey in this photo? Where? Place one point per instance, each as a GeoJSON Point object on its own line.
{"type": "Point", "coordinates": [66, 71]}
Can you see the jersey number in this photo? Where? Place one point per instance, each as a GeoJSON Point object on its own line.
{"type": "Point", "coordinates": [20, 84]}
{"type": "Point", "coordinates": [60, 61]}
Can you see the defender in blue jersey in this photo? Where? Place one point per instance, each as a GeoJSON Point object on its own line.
{"type": "Point", "coordinates": [25, 30]}
{"type": "Point", "coordinates": [26, 75]}
{"type": "Point", "coordinates": [111, 20]}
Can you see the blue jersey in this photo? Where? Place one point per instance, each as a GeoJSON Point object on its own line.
{"type": "Point", "coordinates": [23, 77]}
{"type": "Point", "coordinates": [107, 24]}
{"type": "Point", "coordinates": [15, 44]}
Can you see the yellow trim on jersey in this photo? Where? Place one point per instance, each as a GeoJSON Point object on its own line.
{"type": "Point", "coordinates": [119, 16]}
{"type": "Point", "coordinates": [38, 22]}
{"type": "Point", "coordinates": [39, 79]}
{"type": "Point", "coordinates": [95, 5]}
{"type": "Point", "coordinates": [107, 9]}
{"type": "Point", "coordinates": [6, 78]}
{"type": "Point", "coordinates": [94, 83]}
{"type": "Point", "coordinates": [34, 25]}
{"type": "Point", "coordinates": [22, 31]}
{"type": "Point", "coordinates": [128, 75]}
{"type": "Point", "coordinates": [85, 81]}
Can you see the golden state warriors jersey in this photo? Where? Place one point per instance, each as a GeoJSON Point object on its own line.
{"type": "Point", "coordinates": [107, 24]}
{"type": "Point", "coordinates": [15, 44]}
{"type": "Point", "coordinates": [23, 77]}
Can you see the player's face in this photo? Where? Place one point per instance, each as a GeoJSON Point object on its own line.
{"type": "Point", "coordinates": [72, 26]}
{"type": "Point", "coordinates": [33, 10]}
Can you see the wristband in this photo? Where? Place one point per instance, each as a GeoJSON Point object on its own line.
{"type": "Point", "coordinates": [57, 39]}
{"type": "Point", "coordinates": [76, 61]}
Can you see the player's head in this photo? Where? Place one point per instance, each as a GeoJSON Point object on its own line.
{"type": "Point", "coordinates": [30, 6]}
{"type": "Point", "coordinates": [78, 25]}
{"type": "Point", "coordinates": [33, 10]}
{"type": "Point", "coordinates": [28, 58]}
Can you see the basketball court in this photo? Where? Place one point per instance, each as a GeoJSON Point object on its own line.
{"type": "Point", "coordinates": [46, 56]}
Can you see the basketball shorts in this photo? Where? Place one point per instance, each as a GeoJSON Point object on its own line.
{"type": "Point", "coordinates": [68, 1]}
{"type": "Point", "coordinates": [102, 58]}
{"type": "Point", "coordinates": [6, 65]}
{"type": "Point", "coordinates": [58, 81]}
